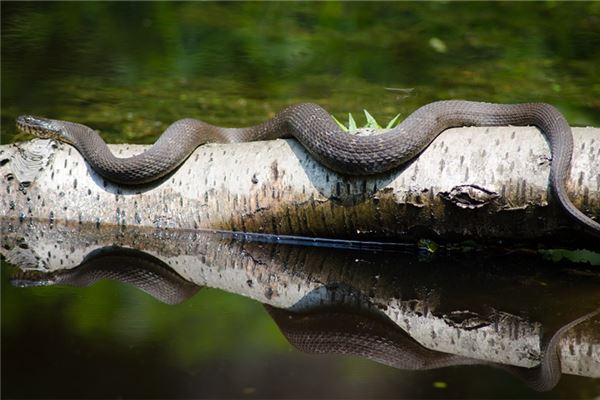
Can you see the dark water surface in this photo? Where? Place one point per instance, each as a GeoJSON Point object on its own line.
{"type": "Point", "coordinates": [130, 69]}
{"type": "Point", "coordinates": [183, 338]}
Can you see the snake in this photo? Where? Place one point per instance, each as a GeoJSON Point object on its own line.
{"type": "Point", "coordinates": [322, 329]}
{"type": "Point", "coordinates": [323, 138]}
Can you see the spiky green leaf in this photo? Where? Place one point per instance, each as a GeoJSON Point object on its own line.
{"type": "Point", "coordinates": [351, 123]}
{"type": "Point", "coordinates": [392, 123]}
{"type": "Point", "coordinates": [371, 122]}
{"type": "Point", "coordinates": [342, 127]}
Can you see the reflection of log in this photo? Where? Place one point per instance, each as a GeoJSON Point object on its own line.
{"type": "Point", "coordinates": [485, 183]}
{"type": "Point", "coordinates": [488, 310]}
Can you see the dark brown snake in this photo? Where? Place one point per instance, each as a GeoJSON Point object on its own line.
{"type": "Point", "coordinates": [324, 330]}
{"type": "Point", "coordinates": [312, 126]}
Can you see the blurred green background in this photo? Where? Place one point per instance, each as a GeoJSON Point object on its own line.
{"type": "Point", "coordinates": [130, 69]}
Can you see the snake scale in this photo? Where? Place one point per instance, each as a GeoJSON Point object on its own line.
{"type": "Point", "coordinates": [312, 126]}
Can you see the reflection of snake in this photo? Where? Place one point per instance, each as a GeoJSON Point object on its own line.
{"type": "Point", "coordinates": [316, 130]}
{"type": "Point", "coordinates": [133, 267]}
{"type": "Point", "coordinates": [344, 331]}
{"type": "Point", "coordinates": [329, 329]}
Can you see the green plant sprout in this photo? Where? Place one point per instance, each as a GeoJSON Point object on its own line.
{"type": "Point", "coordinates": [370, 124]}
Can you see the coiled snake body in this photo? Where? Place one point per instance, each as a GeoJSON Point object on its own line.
{"type": "Point", "coordinates": [319, 134]}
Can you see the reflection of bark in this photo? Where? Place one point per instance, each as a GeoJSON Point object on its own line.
{"type": "Point", "coordinates": [468, 307]}
{"type": "Point", "coordinates": [344, 331]}
{"type": "Point", "coordinates": [485, 183]}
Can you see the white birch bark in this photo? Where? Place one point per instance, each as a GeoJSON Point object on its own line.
{"type": "Point", "coordinates": [482, 183]}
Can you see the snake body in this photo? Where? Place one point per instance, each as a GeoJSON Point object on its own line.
{"type": "Point", "coordinates": [312, 126]}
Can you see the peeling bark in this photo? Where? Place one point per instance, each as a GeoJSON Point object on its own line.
{"type": "Point", "coordinates": [471, 183]}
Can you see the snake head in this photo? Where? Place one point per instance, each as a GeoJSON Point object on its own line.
{"type": "Point", "coordinates": [41, 127]}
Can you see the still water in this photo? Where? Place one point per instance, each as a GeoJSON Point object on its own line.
{"type": "Point", "coordinates": [130, 69]}
{"type": "Point", "coordinates": [91, 314]}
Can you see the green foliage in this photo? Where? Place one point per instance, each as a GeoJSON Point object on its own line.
{"type": "Point", "coordinates": [576, 256]}
{"type": "Point", "coordinates": [342, 126]}
{"type": "Point", "coordinates": [370, 123]}
{"type": "Point", "coordinates": [130, 69]}
{"type": "Point", "coordinates": [351, 124]}
{"type": "Point", "coordinates": [393, 122]}
{"type": "Point", "coordinates": [427, 249]}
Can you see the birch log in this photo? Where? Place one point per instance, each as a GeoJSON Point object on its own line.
{"type": "Point", "coordinates": [471, 183]}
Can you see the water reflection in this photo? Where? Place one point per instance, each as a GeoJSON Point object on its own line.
{"type": "Point", "coordinates": [383, 303]}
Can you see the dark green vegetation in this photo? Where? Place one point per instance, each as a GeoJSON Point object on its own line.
{"type": "Point", "coordinates": [130, 69]}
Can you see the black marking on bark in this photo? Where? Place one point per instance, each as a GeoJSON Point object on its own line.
{"type": "Point", "coordinates": [469, 196]}
{"type": "Point", "coordinates": [586, 197]}
{"type": "Point", "coordinates": [269, 293]}
{"type": "Point", "coordinates": [274, 170]}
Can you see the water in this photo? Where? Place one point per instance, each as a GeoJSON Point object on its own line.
{"type": "Point", "coordinates": [183, 338]}
{"type": "Point", "coordinates": [130, 69]}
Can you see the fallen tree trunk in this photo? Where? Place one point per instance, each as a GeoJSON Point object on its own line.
{"type": "Point", "coordinates": [478, 183]}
